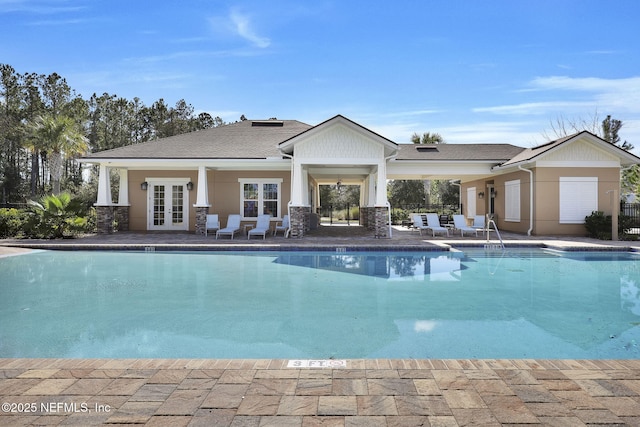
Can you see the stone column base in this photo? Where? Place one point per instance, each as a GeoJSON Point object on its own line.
{"type": "Point", "coordinates": [201, 219]}
{"type": "Point", "coordinates": [121, 215]}
{"type": "Point", "coordinates": [371, 218]}
{"type": "Point", "coordinates": [104, 219]}
{"type": "Point", "coordinates": [299, 220]}
{"type": "Point", "coordinates": [381, 230]}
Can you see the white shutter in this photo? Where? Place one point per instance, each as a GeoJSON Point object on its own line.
{"type": "Point", "coordinates": [578, 198]}
{"type": "Point", "coordinates": [512, 201]}
{"type": "Point", "coordinates": [471, 202]}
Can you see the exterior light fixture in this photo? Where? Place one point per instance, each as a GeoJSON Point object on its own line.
{"type": "Point", "coordinates": [189, 185]}
{"type": "Point", "coordinates": [144, 186]}
{"type": "Point", "coordinates": [481, 195]}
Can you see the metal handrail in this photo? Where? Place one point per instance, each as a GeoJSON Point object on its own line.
{"type": "Point", "coordinates": [495, 227]}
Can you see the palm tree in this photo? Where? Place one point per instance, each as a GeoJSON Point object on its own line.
{"type": "Point", "coordinates": [59, 135]}
{"type": "Point", "coordinates": [427, 138]}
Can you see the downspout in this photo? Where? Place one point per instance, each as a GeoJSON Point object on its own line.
{"type": "Point", "coordinates": [530, 198]}
{"type": "Point", "coordinates": [389, 204]}
{"type": "Point", "coordinates": [290, 184]}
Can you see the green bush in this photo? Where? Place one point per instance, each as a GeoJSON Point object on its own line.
{"type": "Point", "coordinates": [13, 222]}
{"type": "Point", "coordinates": [599, 225]}
{"type": "Point", "coordinates": [56, 217]}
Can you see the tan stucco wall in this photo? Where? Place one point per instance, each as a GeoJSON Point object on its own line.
{"type": "Point", "coordinates": [223, 186]}
{"type": "Point", "coordinates": [546, 190]}
{"type": "Point", "coordinates": [499, 181]}
{"type": "Point", "coordinates": [547, 197]}
{"type": "Point", "coordinates": [138, 197]}
{"type": "Point", "coordinates": [224, 190]}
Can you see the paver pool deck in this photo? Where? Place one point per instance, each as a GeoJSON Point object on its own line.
{"type": "Point", "coordinates": [372, 392]}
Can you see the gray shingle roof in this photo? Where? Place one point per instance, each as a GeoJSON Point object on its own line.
{"type": "Point", "coordinates": [249, 139]}
{"type": "Point", "coordinates": [462, 152]}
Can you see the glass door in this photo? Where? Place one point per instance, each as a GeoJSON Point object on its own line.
{"type": "Point", "coordinates": [168, 206]}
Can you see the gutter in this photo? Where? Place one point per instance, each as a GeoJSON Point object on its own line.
{"type": "Point", "coordinates": [530, 198]}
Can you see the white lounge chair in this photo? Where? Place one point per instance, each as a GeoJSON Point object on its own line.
{"type": "Point", "coordinates": [261, 228]}
{"type": "Point", "coordinates": [284, 227]}
{"type": "Point", "coordinates": [433, 224]}
{"type": "Point", "coordinates": [213, 223]}
{"type": "Point", "coordinates": [233, 226]}
{"type": "Point", "coordinates": [460, 223]}
{"type": "Point", "coordinates": [417, 223]}
{"type": "Point", "coordinates": [478, 223]}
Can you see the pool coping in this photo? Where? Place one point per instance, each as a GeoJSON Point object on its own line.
{"type": "Point", "coordinates": [431, 246]}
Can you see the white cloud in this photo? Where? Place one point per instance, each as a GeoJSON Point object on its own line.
{"type": "Point", "coordinates": [243, 28]}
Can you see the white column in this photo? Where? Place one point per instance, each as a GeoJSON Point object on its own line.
{"type": "Point", "coordinates": [104, 187]}
{"type": "Point", "coordinates": [202, 197]}
{"type": "Point", "coordinates": [371, 190]}
{"type": "Point", "coordinates": [297, 185]}
{"type": "Point", "coordinates": [381, 185]}
{"type": "Point", "coordinates": [123, 188]}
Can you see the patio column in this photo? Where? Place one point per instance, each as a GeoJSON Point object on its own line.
{"type": "Point", "coordinates": [121, 211]}
{"type": "Point", "coordinates": [381, 185]}
{"type": "Point", "coordinates": [381, 209]}
{"type": "Point", "coordinates": [104, 205]}
{"type": "Point", "coordinates": [202, 201]}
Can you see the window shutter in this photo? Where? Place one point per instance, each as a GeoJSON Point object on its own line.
{"type": "Point", "coordinates": [512, 201]}
{"type": "Point", "coordinates": [578, 198]}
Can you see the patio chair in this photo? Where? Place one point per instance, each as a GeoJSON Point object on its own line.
{"type": "Point", "coordinates": [478, 223]}
{"type": "Point", "coordinates": [433, 224]}
{"type": "Point", "coordinates": [213, 223]}
{"type": "Point", "coordinates": [417, 223]}
{"type": "Point", "coordinates": [261, 228]}
{"type": "Point", "coordinates": [460, 223]}
{"type": "Point", "coordinates": [284, 227]}
{"type": "Point", "coordinates": [233, 226]}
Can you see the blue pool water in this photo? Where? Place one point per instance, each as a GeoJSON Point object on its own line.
{"type": "Point", "coordinates": [473, 304]}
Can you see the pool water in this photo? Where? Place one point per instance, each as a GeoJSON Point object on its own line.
{"type": "Point", "coordinates": [529, 303]}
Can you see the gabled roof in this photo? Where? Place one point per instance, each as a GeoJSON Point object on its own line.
{"type": "Point", "coordinates": [248, 139]}
{"type": "Point", "coordinates": [532, 154]}
{"type": "Point", "coordinates": [287, 146]}
{"type": "Point", "coordinates": [462, 152]}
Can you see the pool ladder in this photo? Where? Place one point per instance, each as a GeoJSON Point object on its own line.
{"type": "Point", "coordinates": [489, 245]}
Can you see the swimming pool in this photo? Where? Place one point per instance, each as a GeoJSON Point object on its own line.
{"type": "Point", "coordinates": [522, 303]}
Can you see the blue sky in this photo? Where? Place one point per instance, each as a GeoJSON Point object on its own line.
{"type": "Point", "coordinates": [473, 71]}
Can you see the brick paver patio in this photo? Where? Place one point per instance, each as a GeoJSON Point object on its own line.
{"type": "Point", "coordinates": [180, 392]}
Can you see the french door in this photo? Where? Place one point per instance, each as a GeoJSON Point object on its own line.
{"type": "Point", "coordinates": [168, 205]}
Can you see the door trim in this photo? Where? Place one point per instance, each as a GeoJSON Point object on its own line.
{"type": "Point", "coordinates": [167, 182]}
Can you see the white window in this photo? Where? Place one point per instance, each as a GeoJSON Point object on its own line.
{"type": "Point", "coordinates": [512, 201]}
{"type": "Point", "coordinates": [260, 196]}
{"type": "Point", "coordinates": [471, 202]}
{"type": "Point", "coordinates": [578, 198]}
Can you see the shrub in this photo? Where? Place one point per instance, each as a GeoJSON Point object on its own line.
{"type": "Point", "coordinates": [599, 225]}
{"type": "Point", "coordinates": [13, 222]}
{"type": "Point", "coordinates": [56, 216]}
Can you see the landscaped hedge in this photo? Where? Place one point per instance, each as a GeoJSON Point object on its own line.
{"type": "Point", "coordinates": [13, 222]}
{"type": "Point", "coordinates": [599, 225]}
{"type": "Point", "coordinates": [51, 217]}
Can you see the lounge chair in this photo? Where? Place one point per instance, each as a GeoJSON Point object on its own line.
{"type": "Point", "coordinates": [478, 223]}
{"type": "Point", "coordinates": [213, 223]}
{"type": "Point", "coordinates": [284, 227]}
{"type": "Point", "coordinates": [261, 228]}
{"type": "Point", "coordinates": [233, 226]}
{"type": "Point", "coordinates": [417, 223]}
{"type": "Point", "coordinates": [460, 223]}
{"type": "Point", "coordinates": [433, 224]}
